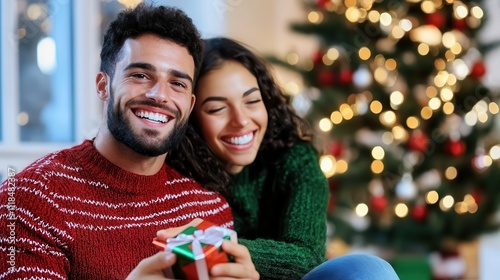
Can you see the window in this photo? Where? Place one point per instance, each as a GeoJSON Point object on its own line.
{"type": "Point", "coordinates": [49, 57]}
{"type": "Point", "coordinates": [45, 71]}
{"type": "Point", "coordinates": [1, 88]}
{"type": "Point", "coordinates": [109, 10]}
{"type": "Point", "coordinates": [39, 88]}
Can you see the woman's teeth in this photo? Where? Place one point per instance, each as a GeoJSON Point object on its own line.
{"type": "Point", "coordinates": [156, 117]}
{"type": "Point", "coordinates": [242, 140]}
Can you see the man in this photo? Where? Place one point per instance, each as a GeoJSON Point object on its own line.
{"type": "Point", "coordinates": [91, 211]}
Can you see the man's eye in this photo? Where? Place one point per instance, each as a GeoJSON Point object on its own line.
{"type": "Point", "coordinates": [179, 84]}
{"type": "Point", "coordinates": [139, 76]}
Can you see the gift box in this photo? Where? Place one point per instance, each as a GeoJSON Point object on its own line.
{"type": "Point", "coordinates": [198, 249]}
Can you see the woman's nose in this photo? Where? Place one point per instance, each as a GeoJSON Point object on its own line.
{"type": "Point", "coordinates": [239, 118]}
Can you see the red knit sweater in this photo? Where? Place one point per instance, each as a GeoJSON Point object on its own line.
{"type": "Point", "coordinates": [78, 216]}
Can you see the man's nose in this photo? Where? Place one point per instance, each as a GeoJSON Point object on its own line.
{"type": "Point", "coordinates": [160, 92]}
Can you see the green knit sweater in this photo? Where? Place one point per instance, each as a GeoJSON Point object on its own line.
{"type": "Point", "coordinates": [280, 213]}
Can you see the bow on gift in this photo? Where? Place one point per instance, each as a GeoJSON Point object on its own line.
{"type": "Point", "coordinates": [211, 236]}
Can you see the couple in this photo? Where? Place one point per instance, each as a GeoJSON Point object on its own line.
{"type": "Point", "coordinates": [91, 211]}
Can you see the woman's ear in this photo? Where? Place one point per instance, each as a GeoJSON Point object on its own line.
{"type": "Point", "coordinates": [102, 86]}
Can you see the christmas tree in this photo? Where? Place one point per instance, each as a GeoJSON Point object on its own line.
{"type": "Point", "coordinates": [407, 126]}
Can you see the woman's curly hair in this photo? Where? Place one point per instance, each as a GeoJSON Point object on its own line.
{"type": "Point", "coordinates": [194, 158]}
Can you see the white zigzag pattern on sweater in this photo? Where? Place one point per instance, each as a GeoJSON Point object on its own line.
{"type": "Point", "coordinates": [185, 217]}
{"type": "Point", "coordinates": [101, 203]}
{"type": "Point", "coordinates": [35, 246]}
{"type": "Point", "coordinates": [228, 224]}
{"type": "Point", "coordinates": [67, 167]}
{"type": "Point", "coordinates": [175, 181]}
{"type": "Point", "coordinates": [38, 164]}
{"type": "Point", "coordinates": [139, 218]}
{"type": "Point", "coordinates": [38, 193]}
{"type": "Point", "coordinates": [43, 226]}
{"type": "Point", "coordinates": [44, 186]}
{"type": "Point", "coordinates": [32, 269]}
{"type": "Point", "coordinates": [109, 217]}
{"type": "Point", "coordinates": [128, 204]}
{"type": "Point", "coordinates": [51, 173]}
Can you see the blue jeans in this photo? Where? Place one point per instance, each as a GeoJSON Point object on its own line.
{"type": "Point", "coordinates": [353, 267]}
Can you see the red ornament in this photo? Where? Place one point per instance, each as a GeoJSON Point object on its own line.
{"type": "Point", "coordinates": [418, 141]}
{"type": "Point", "coordinates": [379, 203]}
{"type": "Point", "coordinates": [326, 78]}
{"type": "Point", "coordinates": [459, 24]}
{"type": "Point", "coordinates": [455, 147]}
{"type": "Point", "coordinates": [331, 205]}
{"type": "Point", "coordinates": [333, 185]}
{"type": "Point", "coordinates": [419, 212]}
{"type": "Point", "coordinates": [318, 57]}
{"type": "Point", "coordinates": [322, 3]}
{"type": "Point", "coordinates": [478, 70]}
{"type": "Point", "coordinates": [336, 149]}
{"type": "Point", "coordinates": [478, 196]}
{"type": "Point", "coordinates": [437, 19]}
{"type": "Point", "coordinates": [345, 76]}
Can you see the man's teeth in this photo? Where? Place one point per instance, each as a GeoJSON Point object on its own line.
{"type": "Point", "coordinates": [242, 140]}
{"type": "Point", "coordinates": [152, 116]}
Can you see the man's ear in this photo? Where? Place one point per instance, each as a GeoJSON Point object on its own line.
{"type": "Point", "coordinates": [193, 102]}
{"type": "Point", "coordinates": [102, 85]}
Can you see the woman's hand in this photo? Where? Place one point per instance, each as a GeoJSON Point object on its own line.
{"type": "Point", "coordinates": [241, 268]}
{"type": "Point", "coordinates": [154, 268]}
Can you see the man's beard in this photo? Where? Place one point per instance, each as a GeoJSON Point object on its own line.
{"type": "Point", "coordinates": [121, 129]}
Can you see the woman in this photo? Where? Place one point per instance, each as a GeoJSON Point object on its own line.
{"type": "Point", "coordinates": [246, 142]}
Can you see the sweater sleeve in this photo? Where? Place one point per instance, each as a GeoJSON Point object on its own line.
{"type": "Point", "coordinates": [300, 245]}
{"type": "Point", "coordinates": [32, 232]}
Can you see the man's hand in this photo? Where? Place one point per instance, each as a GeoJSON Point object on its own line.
{"type": "Point", "coordinates": [165, 234]}
{"type": "Point", "coordinates": [159, 265]}
{"type": "Point", "coordinates": [153, 268]}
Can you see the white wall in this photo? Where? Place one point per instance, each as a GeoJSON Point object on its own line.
{"type": "Point", "coordinates": [490, 33]}
{"type": "Point", "coordinates": [489, 249]}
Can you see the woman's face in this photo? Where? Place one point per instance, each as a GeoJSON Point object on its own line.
{"type": "Point", "coordinates": [231, 114]}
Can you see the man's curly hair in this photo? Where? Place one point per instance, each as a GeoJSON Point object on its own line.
{"type": "Point", "coordinates": [166, 22]}
{"type": "Point", "coordinates": [193, 156]}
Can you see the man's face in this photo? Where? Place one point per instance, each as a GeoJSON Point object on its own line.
{"type": "Point", "coordinates": [150, 97]}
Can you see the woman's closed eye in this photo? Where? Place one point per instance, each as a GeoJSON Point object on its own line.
{"type": "Point", "coordinates": [253, 101]}
{"type": "Point", "coordinates": [215, 110]}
